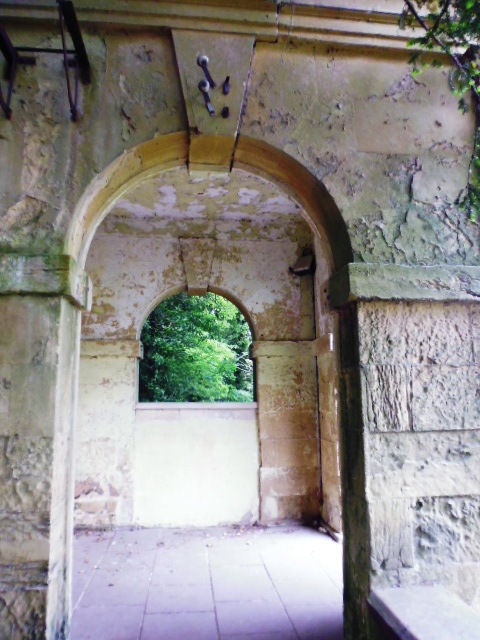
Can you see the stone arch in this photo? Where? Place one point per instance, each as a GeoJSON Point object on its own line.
{"type": "Point", "coordinates": [231, 297]}
{"type": "Point", "coordinates": [256, 158]}
{"type": "Point", "coordinates": [169, 151]}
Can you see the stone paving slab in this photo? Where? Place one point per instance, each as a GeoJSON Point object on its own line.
{"type": "Point", "coordinates": [221, 583]}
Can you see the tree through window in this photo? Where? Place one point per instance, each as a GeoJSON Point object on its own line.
{"type": "Point", "coordinates": [196, 349]}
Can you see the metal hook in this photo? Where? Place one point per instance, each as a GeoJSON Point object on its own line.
{"type": "Point", "coordinates": [203, 61]}
{"type": "Point", "coordinates": [204, 87]}
{"type": "Point", "coordinates": [226, 86]}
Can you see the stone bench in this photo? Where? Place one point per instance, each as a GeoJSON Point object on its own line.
{"type": "Point", "coordinates": [423, 613]}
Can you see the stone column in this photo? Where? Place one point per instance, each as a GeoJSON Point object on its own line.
{"type": "Point", "coordinates": [410, 431]}
{"type": "Point", "coordinates": [105, 442]}
{"type": "Point", "coordinates": [288, 429]}
{"type": "Point", "coordinates": [39, 309]}
{"type": "Point", "coordinates": [327, 372]}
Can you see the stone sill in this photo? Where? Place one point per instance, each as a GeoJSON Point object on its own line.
{"type": "Point", "coordinates": [152, 412]}
{"type": "Point", "coordinates": [214, 406]}
{"type": "Point", "coordinates": [363, 281]}
{"type": "Point", "coordinates": [423, 613]}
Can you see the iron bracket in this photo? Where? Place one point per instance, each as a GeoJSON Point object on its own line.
{"type": "Point", "coordinates": [76, 59]}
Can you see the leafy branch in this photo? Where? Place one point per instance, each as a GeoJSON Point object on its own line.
{"type": "Point", "coordinates": [453, 27]}
{"type": "Point", "coordinates": [196, 349]}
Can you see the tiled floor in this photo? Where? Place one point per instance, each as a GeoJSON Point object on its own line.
{"type": "Point", "coordinates": [275, 583]}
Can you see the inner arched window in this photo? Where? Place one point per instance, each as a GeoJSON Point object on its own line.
{"type": "Point", "coordinates": [196, 349]}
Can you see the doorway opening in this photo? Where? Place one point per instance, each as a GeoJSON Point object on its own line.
{"type": "Point", "coordinates": [240, 235]}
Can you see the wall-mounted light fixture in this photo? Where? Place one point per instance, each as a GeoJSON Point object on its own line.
{"type": "Point", "coordinates": [305, 264]}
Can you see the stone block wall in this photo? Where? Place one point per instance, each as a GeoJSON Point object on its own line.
{"type": "Point", "coordinates": [104, 444]}
{"type": "Point", "coordinates": [412, 456]}
{"type": "Point", "coordinates": [384, 157]}
{"type": "Point", "coordinates": [37, 356]}
{"type": "Point", "coordinates": [420, 376]}
{"type": "Point", "coordinates": [288, 428]}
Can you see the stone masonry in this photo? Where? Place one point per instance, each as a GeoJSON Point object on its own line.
{"type": "Point", "coordinates": [329, 145]}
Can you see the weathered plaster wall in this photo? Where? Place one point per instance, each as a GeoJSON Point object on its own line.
{"type": "Point", "coordinates": [158, 465]}
{"type": "Point", "coordinates": [104, 451]}
{"type": "Point", "coordinates": [392, 151]}
{"type": "Point", "coordinates": [196, 465]}
{"type": "Point", "coordinates": [154, 243]}
{"type": "Point", "coordinates": [36, 356]}
{"type": "Point", "coordinates": [257, 234]}
{"type": "Point", "coordinates": [46, 162]}
{"type": "Point", "coordinates": [393, 154]}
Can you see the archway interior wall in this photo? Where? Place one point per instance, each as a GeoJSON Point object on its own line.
{"type": "Point", "coordinates": [392, 152]}
{"type": "Point", "coordinates": [328, 378]}
{"type": "Point", "coordinates": [137, 257]}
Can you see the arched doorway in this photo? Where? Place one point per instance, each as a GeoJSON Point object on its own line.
{"type": "Point", "coordinates": [330, 244]}
{"type": "Point", "coordinates": [294, 350]}
{"type": "Point", "coordinates": [238, 235]}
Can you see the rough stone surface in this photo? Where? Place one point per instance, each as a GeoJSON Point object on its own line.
{"type": "Point", "coordinates": [460, 578]}
{"type": "Point", "coordinates": [387, 156]}
{"type": "Point", "coordinates": [388, 220]}
{"type": "Point", "coordinates": [331, 497]}
{"type": "Point", "coordinates": [422, 464]}
{"type": "Point", "coordinates": [159, 231]}
{"type": "Point", "coordinates": [416, 333]}
{"type": "Point", "coordinates": [289, 452]}
{"type": "Point", "coordinates": [445, 398]}
{"type": "Point", "coordinates": [259, 234]}
{"type": "Point", "coordinates": [356, 578]}
{"type": "Point", "coordinates": [294, 423]}
{"type": "Point", "coordinates": [425, 612]}
{"type": "Point", "coordinates": [286, 393]}
{"type": "Point", "coordinates": [22, 614]}
{"type": "Point", "coordinates": [386, 397]}
{"type": "Point", "coordinates": [54, 275]}
{"type": "Point", "coordinates": [28, 354]}
{"type": "Point", "coordinates": [446, 529]}
{"type": "Point", "coordinates": [392, 282]}
{"type": "Point", "coordinates": [391, 530]}
{"type": "Point", "coordinates": [25, 475]}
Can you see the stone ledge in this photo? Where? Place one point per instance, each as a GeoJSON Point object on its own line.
{"type": "Point", "coordinates": [45, 275]}
{"type": "Point", "coordinates": [423, 613]}
{"type": "Point", "coordinates": [111, 349]}
{"type": "Point", "coordinates": [351, 22]}
{"type": "Point", "coordinates": [165, 412]}
{"type": "Point", "coordinates": [362, 281]}
{"type": "Point", "coordinates": [282, 348]}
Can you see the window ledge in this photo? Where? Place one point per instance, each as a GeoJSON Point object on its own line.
{"type": "Point", "coordinates": [215, 406]}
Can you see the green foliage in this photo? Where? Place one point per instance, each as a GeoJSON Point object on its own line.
{"type": "Point", "coordinates": [196, 349]}
{"type": "Point", "coordinates": [453, 27]}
